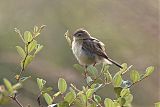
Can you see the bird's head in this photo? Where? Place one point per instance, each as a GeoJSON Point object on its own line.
{"type": "Point", "coordinates": [81, 34]}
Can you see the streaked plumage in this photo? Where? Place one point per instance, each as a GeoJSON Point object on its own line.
{"type": "Point", "coordinates": [89, 50]}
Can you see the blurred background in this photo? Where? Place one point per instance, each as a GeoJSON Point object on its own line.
{"type": "Point", "coordinates": [129, 28]}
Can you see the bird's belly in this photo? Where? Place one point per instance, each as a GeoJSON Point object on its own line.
{"type": "Point", "coordinates": [83, 57]}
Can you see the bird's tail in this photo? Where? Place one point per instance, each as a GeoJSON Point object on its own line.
{"type": "Point", "coordinates": [114, 62]}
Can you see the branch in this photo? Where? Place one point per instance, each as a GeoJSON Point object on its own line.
{"type": "Point", "coordinates": [39, 101]}
{"type": "Point", "coordinates": [16, 100]}
{"type": "Point", "coordinates": [137, 81]}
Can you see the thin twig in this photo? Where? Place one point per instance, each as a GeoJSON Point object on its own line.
{"type": "Point", "coordinates": [137, 81]}
{"type": "Point", "coordinates": [39, 100]}
{"type": "Point", "coordinates": [127, 69]}
{"type": "Point", "coordinates": [16, 100]}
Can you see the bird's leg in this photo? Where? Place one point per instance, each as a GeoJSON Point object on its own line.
{"type": "Point", "coordinates": [94, 64]}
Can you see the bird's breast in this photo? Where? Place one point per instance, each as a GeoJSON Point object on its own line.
{"type": "Point", "coordinates": [83, 57]}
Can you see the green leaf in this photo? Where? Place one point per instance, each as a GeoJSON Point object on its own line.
{"type": "Point", "coordinates": [89, 93]}
{"type": "Point", "coordinates": [46, 90]}
{"type": "Point", "coordinates": [93, 105]}
{"type": "Point", "coordinates": [149, 71]}
{"type": "Point", "coordinates": [21, 51]}
{"type": "Point", "coordinates": [70, 97]}
{"type": "Point", "coordinates": [73, 91]}
{"type": "Point", "coordinates": [123, 70]}
{"type": "Point", "coordinates": [35, 29]}
{"type": "Point", "coordinates": [62, 85]}
{"type": "Point", "coordinates": [41, 83]}
{"type": "Point", "coordinates": [4, 99]}
{"type": "Point", "coordinates": [125, 92]}
{"type": "Point", "coordinates": [108, 77]}
{"type": "Point", "coordinates": [48, 98]}
{"type": "Point", "coordinates": [63, 104]}
{"type": "Point", "coordinates": [56, 94]}
{"type": "Point", "coordinates": [82, 98]}
{"type": "Point", "coordinates": [157, 104]}
{"type": "Point", "coordinates": [105, 68]}
{"type": "Point", "coordinates": [27, 61]}
{"type": "Point", "coordinates": [121, 101]}
{"type": "Point", "coordinates": [97, 98]}
{"type": "Point", "coordinates": [27, 36]}
{"type": "Point", "coordinates": [39, 48]}
{"type": "Point", "coordinates": [129, 99]}
{"type": "Point", "coordinates": [32, 46]}
{"type": "Point", "coordinates": [92, 70]}
{"type": "Point", "coordinates": [118, 90]}
{"type": "Point", "coordinates": [17, 86]}
{"type": "Point", "coordinates": [108, 103]}
{"type": "Point", "coordinates": [79, 68]}
{"type": "Point", "coordinates": [116, 104]}
{"type": "Point", "coordinates": [8, 85]}
{"type": "Point", "coordinates": [117, 80]}
{"type": "Point", "coordinates": [134, 75]}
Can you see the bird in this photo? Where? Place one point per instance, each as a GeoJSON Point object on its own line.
{"type": "Point", "coordinates": [89, 50]}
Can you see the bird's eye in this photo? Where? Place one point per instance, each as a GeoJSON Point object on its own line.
{"type": "Point", "coordinates": [79, 34]}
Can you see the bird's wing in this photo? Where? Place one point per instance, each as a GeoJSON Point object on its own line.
{"type": "Point", "coordinates": [94, 46]}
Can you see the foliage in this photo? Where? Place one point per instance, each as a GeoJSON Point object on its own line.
{"type": "Point", "coordinates": [70, 95]}
{"type": "Point", "coordinates": [27, 53]}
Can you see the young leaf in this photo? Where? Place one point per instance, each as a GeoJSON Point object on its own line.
{"type": "Point", "coordinates": [27, 36]}
{"type": "Point", "coordinates": [63, 104]}
{"type": "Point", "coordinates": [35, 29]}
{"type": "Point", "coordinates": [93, 104]}
{"type": "Point", "coordinates": [121, 101]}
{"type": "Point", "coordinates": [41, 83]}
{"type": "Point", "coordinates": [128, 99]}
{"type": "Point", "coordinates": [125, 92]}
{"type": "Point", "coordinates": [89, 93]}
{"type": "Point", "coordinates": [79, 68]}
{"type": "Point", "coordinates": [70, 97]}
{"type": "Point", "coordinates": [108, 76]}
{"type": "Point", "coordinates": [8, 85]}
{"type": "Point", "coordinates": [123, 70]}
{"type": "Point", "coordinates": [91, 69]}
{"type": "Point", "coordinates": [108, 103]}
{"type": "Point", "coordinates": [117, 90]}
{"type": "Point", "coordinates": [83, 98]}
{"type": "Point", "coordinates": [97, 98]}
{"type": "Point", "coordinates": [32, 46]}
{"type": "Point", "coordinates": [134, 75]}
{"type": "Point", "coordinates": [21, 51]}
{"type": "Point", "coordinates": [48, 98]}
{"type": "Point", "coordinates": [117, 80]}
{"type": "Point", "coordinates": [105, 67]}
{"type": "Point", "coordinates": [46, 90]}
{"type": "Point", "coordinates": [149, 71]}
{"type": "Point", "coordinates": [62, 85]}
{"type": "Point", "coordinates": [17, 86]}
{"type": "Point", "coordinates": [39, 48]}
{"type": "Point", "coordinates": [28, 60]}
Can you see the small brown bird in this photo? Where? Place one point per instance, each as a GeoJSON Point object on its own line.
{"type": "Point", "coordinates": [89, 50]}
